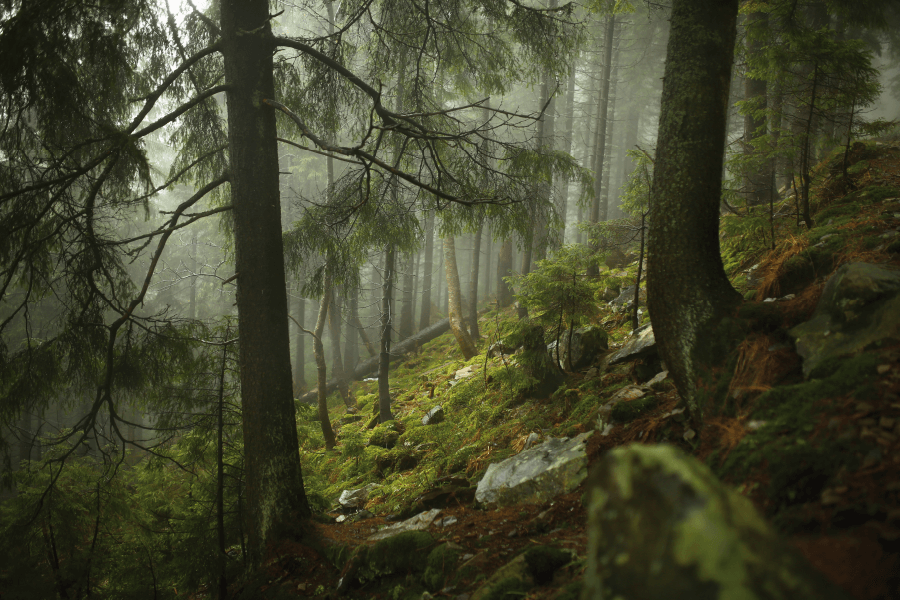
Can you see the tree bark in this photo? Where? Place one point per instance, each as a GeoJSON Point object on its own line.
{"type": "Point", "coordinates": [351, 349]}
{"type": "Point", "coordinates": [567, 147]}
{"type": "Point", "coordinates": [688, 291]}
{"type": "Point", "coordinates": [276, 501]}
{"type": "Point", "coordinates": [322, 367]}
{"type": "Point", "coordinates": [406, 316]}
{"type": "Point", "coordinates": [455, 301]}
{"type": "Point", "coordinates": [300, 347]}
{"type": "Point", "coordinates": [755, 178]}
{"type": "Point", "coordinates": [473, 283]}
{"type": "Point", "coordinates": [384, 365]}
{"type": "Point", "coordinates": [504, 269]}
{"type": "Point", "coordinates": [337, 362]}
{"type": "Point", "coordinates": [427, 268]}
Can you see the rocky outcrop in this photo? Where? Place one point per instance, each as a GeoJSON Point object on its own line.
{"type": "Point", "coordinates": [535, 476]}
{"type": "Point", "coordinates": [662, 526]}
{"type": "Point", "coordinates": [587, 344]}
{"type": "Point", "coordinates": [859, 308]}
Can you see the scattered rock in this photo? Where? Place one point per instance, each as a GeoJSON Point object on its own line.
{"type": "Point", "coordinates": [358, 497]}
{"type": "Point", "coordinates": [466, 372]}
{"type": "Point", "coordinates": [534, 476]}
{"type": "Point", "coordinates": [349, 419]}
{"type": "Point", "coordinates": [715, 544]}
{"type": "Point", "coordinates": [641, 346]}
{"type": "Point", "coordinates": [610, 293]}
{"type": "Point", "coordinates": [587, 344]}
{"type": "Point", "coordinates": [500, 348]}
{"type": "Point", "coordinates": [660, 382]}
{"type": "Point", "coordinates": [417, 523]}
{"type": "Point", "coordinates": [859, 307]}
{"type": "Point", "coordinates": [531, 441]}
{"type": "Point", "coordinates": [434, 416]}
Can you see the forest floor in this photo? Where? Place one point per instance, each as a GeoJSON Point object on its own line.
{"type": "Point", "coordinates": [833, 490]}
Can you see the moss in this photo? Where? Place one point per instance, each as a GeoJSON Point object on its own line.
{"type": "Point", "coordinates": [511, 588]}
{"type": "Point", "coordinates": [761, 316]}
{"type": "Point", "coordinates": [441, 564]}
{"type": "Point", "coordinates": [544, 561]}
{"type": "Point", "coordinates": [405, 552]}
{"type": "Point", "coordinates": [625, 412]}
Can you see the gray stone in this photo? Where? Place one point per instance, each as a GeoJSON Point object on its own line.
{"type": "Point", "coordinates": [356, 498]}
{"type": "Point", "coordinates": [434, 416]}
{"type": "Point", "coordinates": [499, 349]}
{"type": "Point", "coordinates": [659, 381]}
{"type": "Point", "coordinates": [419, 522]}
{"type": "Point", "coordinates": [641, 346]}
{"type": "Point", "coordinates": [466, 372]}
{"type": "Point", "coordinates": [588, 343]}
{"type": "Point", "coordinates": [859, 307]}
{"type": "Point", "coordinates": [535, 476]}
{"type": "Point", "coordinates": [661, 525]}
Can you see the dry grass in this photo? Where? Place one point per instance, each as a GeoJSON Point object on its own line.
{"type": "Point", "coordinates": [772, 264]}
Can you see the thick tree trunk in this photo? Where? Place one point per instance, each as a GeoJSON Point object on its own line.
{"type": "Point", "coordinates": [504, 269]}
{"type": "Point", "coordinates": [427, 268]}
{"type": "Point", "coordinates": [384, 365]}
{"type": "Point", "coordinates": [688, 291]}
{"type": "Point", "coordinates": [321, 367]}
{"type": "Point", "coordinates": [473, 284]}
{"type": "Point", "coordinates": [276, 501]}
{"type": "Point", "coordinates": [455, 301]}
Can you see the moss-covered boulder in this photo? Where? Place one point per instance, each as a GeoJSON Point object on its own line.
{"type": "Point", "coordinates": [662, 526]}
{"type": "Point", "coordinates": [385, 435]}
{"type": "Point", "coordinates": [859, 307]}
{"type": "Point", "coordinates": [441, 566]}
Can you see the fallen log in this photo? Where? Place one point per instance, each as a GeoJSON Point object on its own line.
{"type": "Point", "coordinates": [371, 366]}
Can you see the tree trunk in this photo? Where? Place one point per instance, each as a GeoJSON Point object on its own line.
{"type": "Point", "coordinates": [755, 177]}
{"type": "Point", "coordinates": [688, 291]}
{"type": "Point", "coordinates": [351, 349]}
{"type": "Point", "coordinates": [384, 365]}
{"type": "Point", "coordinates": [486, 277]}
{"type": "Point", "coordinates": [473, 283]}
{"type": "Point", "coordinates": [598, 208]}
{"type": "Point", "coordinates": [504, 269]}
{"type": "Point", "coordinates": [805, 151]}
{"type": "Point", "coordinates": [427, 268]}
{"type": "Point", "coordinates": [406, 315]}
{"type": "Point", "coordinates": [300, 347]}
{"type": "Point", "coordinates": [276, 501]}
{"type": "Point", "coordinates": [455, 301]}
{"type": "Point", "coordinates": [610, 130]}
{"type": "Point", "coordinates": [337, 362]}
{"type": "Point", "coordinates": [567, 147]}
{"type": "Point", "coordinates": [439, 287]}
{"type": "Point", "coordinates": [321, 367]}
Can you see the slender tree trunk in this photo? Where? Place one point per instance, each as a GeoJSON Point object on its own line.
{"type": "Point", "coordinates": [384, 365]}
{"type": "Point", "coordinates": [567, 147]}
{"type": "Point", "coordinates": [489, 248]}
{"type": "Point", "coordinates": [457, 324]}
{"type": "Point", "coordinates": [427, 268]}
{"type": "Point", "coordinates": [688, 291]}
{"type": "Point", "coordinates": [220, 479]}
{"type": "Point", "coordinates": [334, 328]}
{"type": "Point", "coordinates": [321, 366]}
{"type": "Point", "coordinates": [632, 124]}
{"type": "Point", "coordinates": [610, 130]}
{"type": "Point", "coordinates": [193, 298]}
{"type": "Point", "coordinates": [406, 315]}
{"type": "Point", "coordinates": [276, 501]}
{"type": "Point", "coordinates": [473, 284]}
{"type": "Point", "coordinates": [805, 168]}
{"type": "Point", "coordinates": [300, 347]}
{"type": "Point", "coordinates": [351, 348]}
{"type": "Point", "coordinates": [755, 177]}
{"type": "Point", "coordinates": [545, 139]}
{"type": "Point", "coordinates": [598, 208]}
{"type": "Point", "coordinates": [504, 269]}
{"type": "Point", "coordinates": [439, 287]}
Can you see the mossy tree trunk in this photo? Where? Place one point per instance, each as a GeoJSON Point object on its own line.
{"type": "Point", "coordinates": [322, 367]}
{"type": "Point", "coordinates": [504, 269]}
{"type": "Point", "coordinates": [688, 291]}
{"type": "Point", "coordinates": [473, 283]}
{"type": "Point", "coordinates": [427, 267]}
{"type": "Point", "coordinates": [276, 501]}
{"type": "Point", "coordinates": [337, 361]}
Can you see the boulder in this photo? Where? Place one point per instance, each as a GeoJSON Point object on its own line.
{"type": "Point", "coordinates": [535, 476]}
{"type": "Point", "coordinates": [417, 523]}
{"type": "Point", "coordinates": [587, 344]}
{"type": "Point", "coordinates": [859, 308]}
{"type": "Point", "coordinates": [434, 416]}
{"type": "Point", "coordinates": [353, 499]}
{"type": "Point", "coordinates": [536, 362]}
{"type": "Point", "coordinates": [500, 348]}
{"type": "Point", "coordinates": [640, 348]}
{"type": "Point", "coordinates": [661, 525]}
